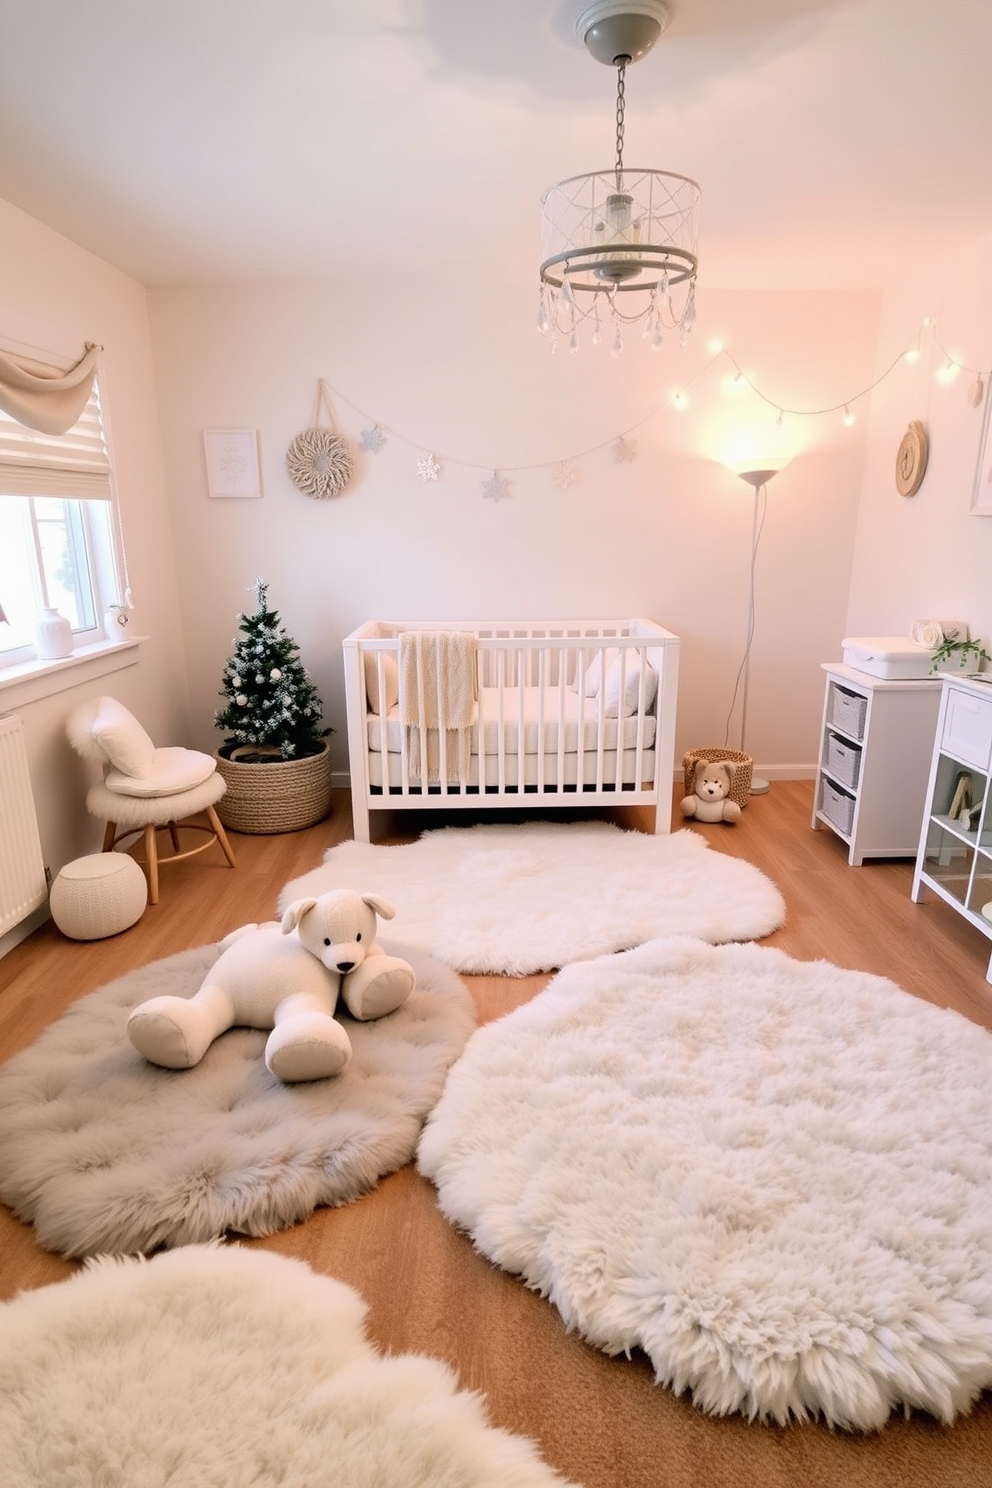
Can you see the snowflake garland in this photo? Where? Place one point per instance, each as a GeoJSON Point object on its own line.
{"type": "Point", "coordinates": [496, 487]}
{"type": "Point", "coordinates": [565, 474]}
{"type": "Point", "coordinates": [623, 451]}
{"type": "Point", "coordinates": [428, 469]}
{"type": "Point", "coordinates": [372, 440]}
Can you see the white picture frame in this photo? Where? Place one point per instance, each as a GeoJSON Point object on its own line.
{"type": "Point", "coordinates": [981, 495]}
{"type": "Point", "coordinates": [232, 462]}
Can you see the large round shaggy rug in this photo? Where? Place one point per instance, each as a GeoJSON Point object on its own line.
{"type": "Point", "coordinates": [775, 1177]}
{"type": "Point", "coordinates": [512, 900]}
{"type": "Point", "coordinates": [103, 1152]}
{"type": "Point", "coordinates": [225, 1366]}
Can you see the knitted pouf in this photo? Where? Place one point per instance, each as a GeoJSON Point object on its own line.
{"type": "Point", "coordinates": [98, 896]}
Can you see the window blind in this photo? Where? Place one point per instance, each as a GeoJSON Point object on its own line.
{"type": "Point", "coordinates": [74, 464]}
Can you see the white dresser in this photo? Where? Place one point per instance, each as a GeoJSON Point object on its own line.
{"type": "Point", "coordinates": [876, 742]}
{"type": "Point", "coordinates": [954, 857]}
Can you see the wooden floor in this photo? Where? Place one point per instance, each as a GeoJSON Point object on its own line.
{"type": "Point", "coordinates": [601, 1422]}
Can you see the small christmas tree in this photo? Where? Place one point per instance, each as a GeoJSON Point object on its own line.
{"type": "Point", "coordinates": [271, 702]}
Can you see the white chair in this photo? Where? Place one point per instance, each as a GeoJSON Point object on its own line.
{"type": "Point", "coordinates": [146, 790]}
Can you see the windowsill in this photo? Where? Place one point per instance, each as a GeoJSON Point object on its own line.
{"type": "Point", "coordinates": [30, 681]}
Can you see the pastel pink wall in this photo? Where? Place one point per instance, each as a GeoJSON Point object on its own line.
{"type": "Point", "coordinates": [462, 373]}
{"type": "Point", "coordinates": [926, 555]}
{"type": "Point", "coordinates": [54, 297]}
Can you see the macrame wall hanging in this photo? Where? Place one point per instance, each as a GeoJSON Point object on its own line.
{"type": "Point", "coordinates": [319, 462]}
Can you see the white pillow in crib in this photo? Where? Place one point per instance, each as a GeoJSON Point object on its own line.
{"type": "Point", "coordinates": [631, 687]}
{"type": "Point", "coordinates": [590, 684]}
{"type": "Point", "coordinates": [390, 680]}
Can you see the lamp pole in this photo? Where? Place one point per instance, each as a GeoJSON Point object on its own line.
{"type": "Point", "coordinates": [758, 478]}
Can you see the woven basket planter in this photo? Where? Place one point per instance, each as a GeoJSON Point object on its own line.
{"type": "Point", "coordinates": [274, 795]}
{"type": "Point", "coordinates": [740, 791]}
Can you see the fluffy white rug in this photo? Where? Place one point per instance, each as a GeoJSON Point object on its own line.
{"type": "Point", "coordinates": [519, 899]}
{"type": "Point", "coordinates": [209, 1367]}
{"type": "Point", "coordinates": [773, 1176]}
{"type": "Point", "coordinates": [103, 1152]}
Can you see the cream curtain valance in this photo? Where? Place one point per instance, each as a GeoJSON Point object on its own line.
{"type": "Point", "coordinates": [74, 463]}
{"type": "Point", "coordinates": [44, 398]}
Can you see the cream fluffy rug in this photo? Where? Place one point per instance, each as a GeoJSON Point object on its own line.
{"type": "Point", "coordinates": [511, 900]}
{"type": "Point", "coordinates": [102, 1151]}
{"type": "Point", "coordinates": [220, 1367]}
{"type": "Point", "coordinates": [775, 1177]}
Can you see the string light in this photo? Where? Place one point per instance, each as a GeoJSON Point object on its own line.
{"type": "Point", "coordinates": [735, 382]}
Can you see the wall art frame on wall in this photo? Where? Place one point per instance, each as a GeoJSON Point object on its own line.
{"type": "Point", "coordinates": [232, 462]}
{"type": "Point", "coordinates": [981, 496]}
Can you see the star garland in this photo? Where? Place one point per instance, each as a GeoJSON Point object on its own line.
{"type": "Point", "coordinates": [372, 440]}
{"type": "Point", "coordinates": [496, 487]}
{"type": "Point", "coordinates": [428, 469]}
{"type": "Point", "coordinates": [624, 450]}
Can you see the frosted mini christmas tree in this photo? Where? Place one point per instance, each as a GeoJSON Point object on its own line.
{"type": "Point", "coordinates": [272, 704]}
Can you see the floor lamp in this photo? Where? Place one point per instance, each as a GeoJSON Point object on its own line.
{"type": "Point", "coordinates": [757, 475]}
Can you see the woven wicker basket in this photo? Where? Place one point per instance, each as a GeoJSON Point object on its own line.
{"type": "Point", "coordinates": [740, 791]}
{"type": "Point", "coordinates": [274, 796]}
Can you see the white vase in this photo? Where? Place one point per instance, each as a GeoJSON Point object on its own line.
{"type": "Point", "coordinates": [53, 635]}
{"type": "Point", "coordinates": [117, 621]}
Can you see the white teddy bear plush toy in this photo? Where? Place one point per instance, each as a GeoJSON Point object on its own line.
{"type": "Point", "coordinates": [287, 977]}
{"type": "Point", "coordinates": [711, 790]}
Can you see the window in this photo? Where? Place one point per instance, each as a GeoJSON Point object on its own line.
{"type": "Point", "coordinates": [58, 531]}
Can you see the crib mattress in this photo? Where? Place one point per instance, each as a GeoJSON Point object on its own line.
{"type": "Point", "coordinates": [629, 771]}
{"type": "Point", "coordinates": [580, 716]}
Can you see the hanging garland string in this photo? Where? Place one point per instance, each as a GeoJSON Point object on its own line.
{"type": "Point", "coordinates": [373, 438]}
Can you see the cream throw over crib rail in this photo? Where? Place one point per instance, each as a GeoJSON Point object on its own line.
{"type": "Point", "coordinates": [534, 714]}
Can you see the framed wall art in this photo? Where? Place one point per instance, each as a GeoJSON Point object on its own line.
{"type": "Point", "coordinates": [232, 462]}
{"type": "Point", "coordinates": [981, 496]}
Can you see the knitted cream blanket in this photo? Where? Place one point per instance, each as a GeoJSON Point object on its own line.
{"type": "Point", "coordinates": [439, 689]}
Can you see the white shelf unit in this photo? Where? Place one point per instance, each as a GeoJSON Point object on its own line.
{"type": "Point", "coordinates": [954, 858]}
{"type": "Point", "coordinates": [876, 744]}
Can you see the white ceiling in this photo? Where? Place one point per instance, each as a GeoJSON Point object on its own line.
{"type": "Point", "coordinates": [837, 142]}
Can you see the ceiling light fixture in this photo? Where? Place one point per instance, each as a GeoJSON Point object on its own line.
{"type": "Point", "coordinates": [628, 235]}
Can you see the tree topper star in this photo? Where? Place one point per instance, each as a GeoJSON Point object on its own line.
{"type": "Point", "coordinates": [428, 469]}
{"type": "Point", "coordinates": [496, 487]}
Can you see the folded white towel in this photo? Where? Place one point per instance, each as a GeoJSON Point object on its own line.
{"type": "Point", "coordinates": [439, 690]}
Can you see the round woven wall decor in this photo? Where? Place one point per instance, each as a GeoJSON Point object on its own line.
{"type": "Point", "coordinates": [911, 459]}
{"type": "Point", "coordinates": [319, 462]}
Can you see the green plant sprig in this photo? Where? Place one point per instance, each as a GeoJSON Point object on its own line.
{"type": "Point", "coordinates": [948, 649]}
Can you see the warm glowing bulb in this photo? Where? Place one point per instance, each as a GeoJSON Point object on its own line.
{"type": "Point", "coordinates": [715, 347]}
{"type": "Point", "coordinates": [679, 401]}
{"type": "Point", "coordinates": [779, 422]}
{"type": "Point", "coordinates": [948, 372]}
{"type": "Point", "coordinates": [848, 417]}
{"type": "Point", "coordinates": [912, 355]}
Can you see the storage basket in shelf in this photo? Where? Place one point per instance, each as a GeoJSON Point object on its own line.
{"type": "Point", "coordinates": [842, 760]}
{"type": "Point", "coordinates": [848, 711]}
{"type": "Point", "coordinates": [740, 791]}
{"type": "Point", "coordinates": [837, 807]}
{"type": "Point", "coordinates": [275, 796]}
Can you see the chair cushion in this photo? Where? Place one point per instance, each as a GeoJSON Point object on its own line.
{"type": "Point", "coordinates": [122, 739]}
{"type": "Point", "coordinates": [170, 771]}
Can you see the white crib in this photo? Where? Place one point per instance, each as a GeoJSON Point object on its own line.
{"type": "Point", "coordinates": [545, 735]}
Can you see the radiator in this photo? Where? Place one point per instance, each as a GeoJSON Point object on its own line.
{"type": "Point", "coordinates": [22, 869]}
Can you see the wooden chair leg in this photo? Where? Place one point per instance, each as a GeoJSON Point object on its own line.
{"type": "Point", "coordinates": [217, 825]}
{"type": "Point", "coordinates": [109, 833]}
{"type": "Point", "coordinates": [151, 864]}
{"type": "Point", "coordinates": [174, 834]}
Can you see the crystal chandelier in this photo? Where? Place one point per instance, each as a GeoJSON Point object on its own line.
{"type": "Point", "coordinates": [618, 247]}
